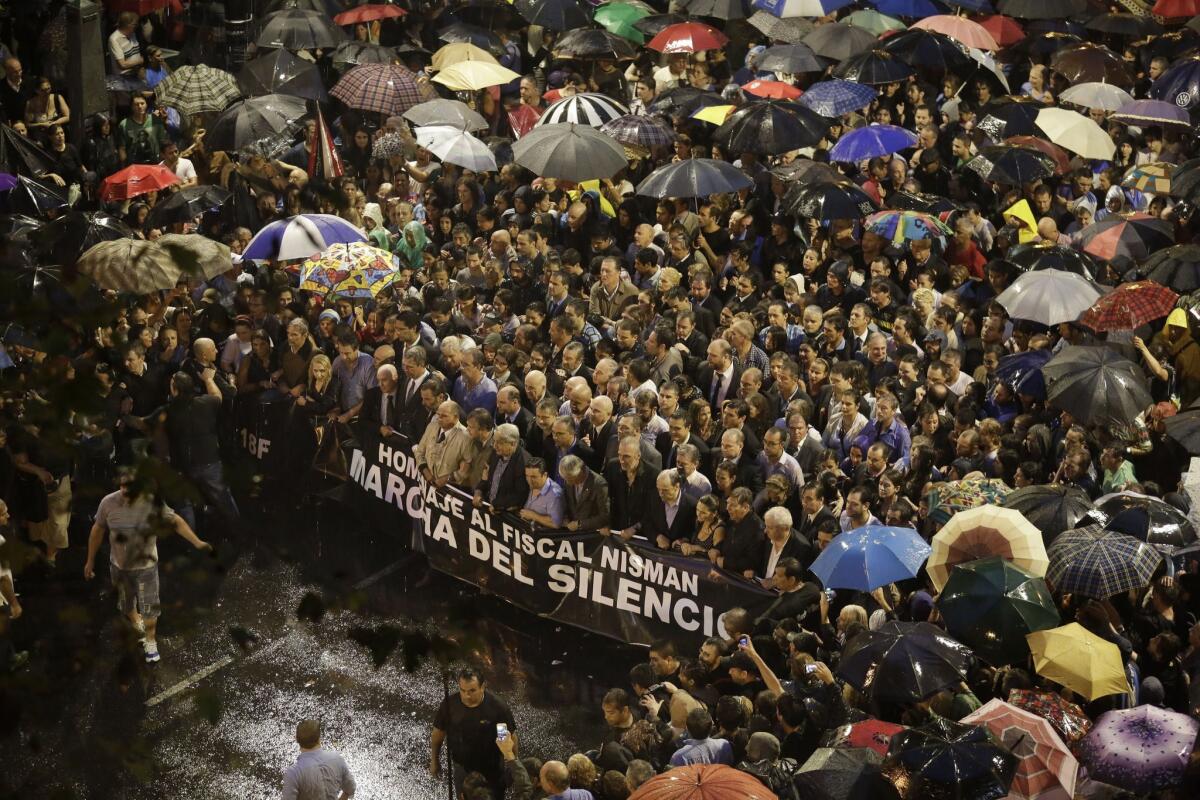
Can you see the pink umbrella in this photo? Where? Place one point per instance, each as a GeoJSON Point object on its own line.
{"type": "Point", "coordinates": [960, 29]}
{"type": "Point", "coordinates": [1046, 770]}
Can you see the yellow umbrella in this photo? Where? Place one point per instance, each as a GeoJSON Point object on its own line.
{"type": "Point", "coordinates": [987, 531]}
{"type": "Point", "coordinates": [1080, 660]}
{"type": "Point", "coordinates": [470, 76]}
{"type": "Point", "coordinates": [714, 114]}
{"type": "Point", "coordinates": [458, 52]}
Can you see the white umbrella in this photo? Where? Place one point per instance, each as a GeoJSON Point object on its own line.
{"type": "Point", "coordinates": [1049, 296]}
{"type": "Point", "coordinates": [456, 146]}
{"type": "Point", "coordinates": [1075, 132]}
{"type": "Point", "coordinates": [988, 62]}
{"type": "Point", "coordinates": [1097, 95]}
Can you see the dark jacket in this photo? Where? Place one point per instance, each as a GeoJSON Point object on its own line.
{"type": "Point", "coordinates": [513, 490]}
{"type": "Point", "coordinates": [742, 546]}
{"type": "Point", "coordinates": [592, 509]}
{"type": "Point", "coordinates": [683, 527]}
{"type": "Point", "coordinates": [631, 503]}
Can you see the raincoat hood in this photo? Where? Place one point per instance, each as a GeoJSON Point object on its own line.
{"type": "Point", "coordinates": [416, 254]}
{"type": "Point", "coordinates": [1176, 319]}
{"type": "Point", "coordinates": [1021, 215]}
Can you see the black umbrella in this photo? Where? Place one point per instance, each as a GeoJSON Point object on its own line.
{"type": "Point", "coordinates": [917, 201]}
{"type": "Point", "coordinates": [654, 24]}
{"type": "Point", "coordinates": [557, 15]}
{"type": "Point", "coordinates": [789, 58]}
{"type": "Point", "coordinates": [844, 773]}
{"type": "Point", "coordinates": [1037, 45]}
{"type": "Point", "coordinates": [489, 14]}
{"type": "Point", "coordinates": [187, 204]}
{"type": "Point", "coordinates": [462, 33]}
{"type": "Point", "coordinates": [717, 9]}
{"type": "Point", "coordinates": [35, 197]}
{"type": "Point", "coordinates": [1034, 257]}
{"type": "Point", "coordinates": [19, 155]}
{"type": "Point", "coordinates": [929, 50]}
{"type": "Point", "coordinates": [829, 201]}
{"type": "Point", "coordinates": [593, 43]}
{"type": "Point", "coordinates": [1052, 508]}
{"type": "Point", "coordinates": [1011, 116]}
{"type": "Point", "coordinates": [683, 101]}
{"type": "Point", "coordinates": [874, 67]}
{"type": "Point", "coordinates": [295, 29]}
{"type": "Point", "coordinates": [839, 40]}
{"type": "Point", "coordinates": [319, 6]}
{"type": "Point", "coordinates": [903, 662]}
{"type": "Point", "coordinates": [694, 177]}
{"type": "Point", "coordinates": [281, 72]}
{"type": "Point", "coordinates": [1185, 181]}
{"type": "Point", "coordinates": [770, 127]}
{"type": "Point", "coordinates": [1015, 166]}
{"type": "Point", "coordinates": [1042, 9]}
{"type": "Point", "coordinates": [1124, 24]}
{"type": "Point", "coordinates": [1176, 267]}
{"type": "Point", "coordinates": [348, 55]}
{"type": "Point", "coordinates": [947, 759]}
{"type": "Point", "coordinates": [250, 123]}
{"type": "Point", "coordinates": [1184, 428]}
{"type": "Point", "coordinates": [805, 170]}
{"type": "Point", "coordinates": [68, 237]}
{"type": "Point", "coordinates": [1096, 386]}
{"type": "Point", "coordinates": [1146, 518]}
{"type": "Point", "coordinates": [19, 227]}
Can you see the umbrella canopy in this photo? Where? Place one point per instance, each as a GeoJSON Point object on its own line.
{"type": "Point", "coordinates": [838, 41]}
{"type": "Point", "coordinates": [1048, 296]}
{"type": "Point", "coordinates": [63, 240]}
{"type": "Point", "coordinates": [1068, 720]}
{"type": "Point", "coordinates": [1077, 133]}
{"type": "Point", "coordinates": [296, 29]}
{"type": "Point", "coordinates": [1177, 267]}
{"type": "Point", "coordinates": [768, 127]}
{"type": "Point", "coordinates": [1153, 178]}
{"type": "Point", "coordinates": [139, 266]}
{"type": "Point", "coordinates": [455, 146]}
{"type": "Point", "coordinates": [829, 201]}
{"type": "Point", "coordinates": [682, 101]}
{"type": "Point", "coordinates": [21, 155]}
{"type": "Point", "coordinates": [1097, 95]}
{"type": "Point", "coordinates": [1130, 306]}
{"type": "Point", "coordinates": [903, 662]}
{"type": "Point", "coordinates": [948, 498]}
{"type": "Point", "coordinates": [458, 52]}
{"type": "Point", "coordinates": [984, 532]}
{"type": "Point", "coordinates": [1061, 158]}
{"type": "Point", "coordinates": [369, 13]}
{"type": "Point", "coordinates": [877, 23]}
{"type": "Point", "coordinates": [653, 24]}
{"type": "Point", "coordinates": [35, 197]}
{"type": "Point", "coordinates": [1124, 24]}
{"type": "Point", "coordinates": [1180, 84]}
{"type": "Point", "coordinates": [717, 9]}
{"type": "Point", "coordinates": [800, 8]}
{"type": "Point", "coordinates": [255, 122]}
{"type": "Point", "coordinates": [874, 67]}
{"type": "Point", "coordinates": [1040, 257]}
{"type": "Point", "coordinates": [557, 15]}
{"type": "Point", "coordinates": [492, 15]}
{"type": "Point", "coordinates": [1046, 768]}
{"type": "Point", "coordinates": [901, 226]}
{"type": "Point", "coordinates": [462, 33]}
{"type": "Point", "coordinates": [1053, 9]}
{"type": "Point", "coordinates": [1185, 180]}
{"type": "Point", "coordinates": [639, 130]}
{"type": "Point", "coordinates": [1005, 30]}
{"type": "Point", "coordinates": [790, 58]}
{"type": "Point", "coordinates": [1132, 235]}
{"type": "Point", "coordinates": [944, 758]}
{"type": "Point", "coordinates": [1094, 562]}
{"type": "Point", "coordinates": [195, 89]}
{"type": "Point", "coordinates": [871, 141]}
{"type": "Point", "coordinates": [869, 557]}
{"type": "Point", "coordinates": [1078, 659]}
{"type": "Point", "coordinates": [620, 18]}
{"type": "Point", "coordinates": [1146, 518]}
{"type": "Point", "coordinates": [1153, 112]}
{"type": "Point", "coordinates": [841, 773]}
{"type": "Point", "coordinates": [388, 89]}
{"type": "Point", "coordinates": [136, 180]}
{"type": "Point", "coordinates": [587, 108]}
{"type": "Point", "coordinates": [300, 237]}
{"type": "Point", "coordinates": [454, 113]}
{"type": "Point", "coordinates": [186, 204]}
{"type": "Point", "coordinates": [909, 9]}
{"type": "Point", "coordinates": [1052, 508]}
{"type": "Point", "coordinates": [348, 55]}
{"type": "Point", "coordinates": [1089, 62]}
{"type": "Point", "coordinates": [960, 29]}
{"type": "Point", "coordinates": [688, 37]}
{"type": "Point", "coordinates": [1141, 749]}
{"type": "Point", "coordinates": [772, 90]}
{"type": "Point", "coordinates": [1011, 116]}
{"type": "Point", "coordinates": [355, 270]}
{"type": "Point", "coordinates": [569, 152]}
{"type": "Point", "coordinates": [1095, 385]}
{"type": "Point", "coordinates": [703, 782]}
{"type": "Point", "coordinates": [694, 177]}
{"type": "Point", "coordinates": [1022, 372]}
{"type": "Point", "coordinates": [281, 72]}
{"type": "Point", "coordinates": [791, 30]}
{"type": "Point", "coordinates": [473, 76]}
{"type": "Point", "coordinates": [873, 734]}
{"type": "Point", "coordinates": [1184, 428]}
{"type": "Point", "coordinates": [1015, 166]}
{"type": "Point", "coordinates": [928, 49]}
{"type": "Point", "coordinates": [593, 43]}
{"type": "Point", "coordinates": [836, 97]}
{"type": "Point", "coordinates": [991, 604]}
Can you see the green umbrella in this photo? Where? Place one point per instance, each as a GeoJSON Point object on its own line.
{"type": "Point", "coordinates": [871, 20]}
{"type": "Point", "coordinates": [618, 18]}
{"type": "Point", "coordinates": [991, 604]}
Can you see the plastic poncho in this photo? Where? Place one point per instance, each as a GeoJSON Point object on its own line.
{"type": "Point", "coordinates": [415, 254]}
{"type": "Point", "coordinates": [1021, 215]}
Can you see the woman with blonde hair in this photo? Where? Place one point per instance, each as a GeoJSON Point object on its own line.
{"type": "Point", "coordinates": [320, 392]}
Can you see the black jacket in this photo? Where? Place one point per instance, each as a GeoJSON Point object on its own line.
{"type": "Point", "coordinates": [631, 503]}
{"type": "Point", "coordinates": [742, 546]}
{"type": "Point", "coordinates": [513, 490]}
{"type": "Point", "coordinates": [683, 527]}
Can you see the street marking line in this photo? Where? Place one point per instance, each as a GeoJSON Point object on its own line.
{"type": "Point", "coordinates": [201, 674]}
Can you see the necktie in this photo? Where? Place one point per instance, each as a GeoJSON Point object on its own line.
{"type": "Point", "coordinates": [441, 437]}
{"type": "Point", "coordinates": [390, 410]}
{"type": "Point", "coordinates": [409, 392]}
{"type": "Point", "coordinates": [671, 457]}
{"type": "Point", "coordinates": [716, 391]}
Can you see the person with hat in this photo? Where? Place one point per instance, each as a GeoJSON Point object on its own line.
{"type": "Point", "coordinates": [1185, 354]}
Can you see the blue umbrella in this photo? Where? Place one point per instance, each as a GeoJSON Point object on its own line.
{"type": "Point", "coordinates": [869, 557]}
{"type": "Point", "coordinates": [837, 97]}
{"type": "Point", "coordinates": [978, 6]}
{"type": "Point", "coordinates": [8, 182]}
{"type": "Point", "coordinates": [1180, 84]}
{"type": "Point", "coordinates": [300, 237]}
{"type": "Point", "coordinates": [785, 9]}
{"type": "Point", "coordinates": [1022, 372]}
{"type": "Point", "coordinates": [872, 141]}
{"type": "Point", "coordinates": [906, 8]}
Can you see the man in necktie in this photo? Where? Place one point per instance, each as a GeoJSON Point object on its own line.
{"type": "Point", "coordinates": [389, 381]}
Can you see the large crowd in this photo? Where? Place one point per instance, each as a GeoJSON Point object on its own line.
{"type": "Point", "coordinates": [859, 273]}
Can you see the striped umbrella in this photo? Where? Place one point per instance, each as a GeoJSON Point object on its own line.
{"type": "Point", "coordinates": [639, 130]}
{"type": "Point", "coordinates": [835, 97]}
{"type": "Point", "coordinates": [982, 532]}
{"type": "Point", "coordinates": [1099, 563]}
{"type": "Point", "coordinates": [197, 89]}
{"type": "Point", "coordinates": [1152, 178]}
{"type": "Point", "coordinates": [785, 9]}
{"type": "Point", "coordinates": [901, 226]}
{"type": "Point", "coordinates": [589, 108]}
{"type": "Point", "coordinates": [1047, 770]}
{"type": "Point", "coordinates": [300, 236]}
{"type": "Point", "coordinates": [388, 89]}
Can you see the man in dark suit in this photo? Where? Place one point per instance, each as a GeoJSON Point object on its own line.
{"type": "Point", "coordinates": [597, 429]}
{"type": "Point", "coordinates": [586, 496]}
{"type": "Point", "coordinates": [674, 517]}
{"type": "Point", "coordinates": [742, 547]}
{"type": "Point", "coordinates": [510, 410]}
{"type": "Point", "coordinates": [679, 431]}
{"type": "Point", "coordinates": [814, 512]}
{"type": "Point", "coordinates": [749, 473]}
{"type": "Point", "coordinates": [796, 595]}
{"type": "Point", "coordinates": [805, 445]}
{"type": "Point", "coordinates": [734, 414]}
{"type": "Point", "coordinates": [783, 541]}
{"type": "Point", "coordinates": [565, 443]}
{"type": "Point", "coordinates": [631, 487]}
{"type": "Point", "coordinates": [503, 485]}
{"type": "Point", "coordinates": [380, 414]}
{"type": "Point", "coordinates": [719, 377]}
{"type": "Point", "coordinates": [410, 413]}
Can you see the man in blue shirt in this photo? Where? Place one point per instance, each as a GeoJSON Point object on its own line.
{"type": "Point", "coordinates": [473, 389]}
{"type": "Point", "coordinates": [556, 783]}
{"type": "Point", "coordinates": [317, 773]}
{"type": "Point", "coordinates": [545, 503]}
{"type": "Point", "coordinates": [698, 748]}
{"type": "Point", "coordinates": [355, 374]}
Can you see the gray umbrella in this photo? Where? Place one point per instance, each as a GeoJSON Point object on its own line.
{"type": "Point", "coordinates": [280, 72]}
{"type": "Point", "coordinates": [297, 29]}
{"type": "Point", "coordinates": [790, 58]}
{"type": "Point", "coordinates": [1096, 386]}
{"type": "Point", "coordinates": [839, 40]}
{"type": "Point", "coordinates": [569, 152]}
{"type": "Point", "coordinates": [251, 122]}
{"type": "Point", "coordinates": [454, 113]}
{"type": "Point", "coordinates": [694, 177]}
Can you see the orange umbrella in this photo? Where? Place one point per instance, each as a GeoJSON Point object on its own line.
{"type": "Point", "coordinates": [776, 90]}
{"type": "Point", "coordinates": [703, 782]}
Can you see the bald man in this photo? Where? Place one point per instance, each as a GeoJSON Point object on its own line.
{"type": "Point", "coordinates": [380, 415]}
{"type": "Point", "coordinates": [556, 783]}
{"type": "Point", "coordinates": [1048, 232]}
{"type": "Point", "coordinates": [643, 239]}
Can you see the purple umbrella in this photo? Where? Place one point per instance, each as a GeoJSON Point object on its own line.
{"type": "Point", "coordinates": [872, 141]}
{"type": "Point", "coordinates": [7, 182]}
{"type": "Point", "coordinates": [1142, 750]}
{"type": "Point", "coordinates": [1153, 112]}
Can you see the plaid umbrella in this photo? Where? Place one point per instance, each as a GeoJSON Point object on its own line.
{"type": "Point", "coordinates": [196, 89]}
{"type": "Point", "coordinates": [388, 89]}
{"type": "Point", "coordinates": [1177, 267]}
{"type": "Point", "coordinates": [986, 531]}
{"type": "Point", "coordinates": [870, 733]}
{"type": "Point", "coordinates": [1068, 720]}
{"type": "Point", "coordinates": [1099, 563]}
{"type": "Point", "coordinates": [835, 97]}
{"type": "Point", "coordinates": [1132, 235]}
{"type": "Point", "coordinates": [901, 226]}
{"type": "Point", "coordinates": [948, 498]}
{"type": "Point", "coordinates": [639, 130]}
{"type": "Point", "coordinates": [1130, 306]}
{"type": "Point", "coordinates": [1047, 770]}
{"type": "Point", "coordinates": [1153, 178]}
{"type": "Point", "coordinates": [355, 270]}
{"type": "Point", "coordinates": [1141, 749]}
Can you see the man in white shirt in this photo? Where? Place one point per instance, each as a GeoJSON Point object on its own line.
{"type": "Point", "coordinates": [123, 44]}
{"type": "Point", "coordinates": [182, 167]}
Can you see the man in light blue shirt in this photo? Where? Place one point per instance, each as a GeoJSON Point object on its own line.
{"type": "Point", "coordinates": [545, 503]}
{"type": "Point", "coordinates": [318, 774]}
{"type": "Point", "coordinates": [473, 389]}
{"type": "Point", "coordinates": [698, 748]}
{"type": "Point", "coordinates": [355, 374]}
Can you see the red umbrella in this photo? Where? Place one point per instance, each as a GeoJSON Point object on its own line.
{"type": "Point", "coordinates": [1005, 30]}
{"type": "Point", "coordinates": [1133, 235]}
{"type": "Point", "coordinates": [522, 118]}
{"type": "Point", "coordinates": [368, 13]}
{"type": "Point", "coordinates": [1130, 306]}
{"type": "Point", "coordinates": [703, 782]}
{"type": "Point", "coordinates": [135, 180]}
{"type": "Point", "coordinates": [1062, 159]}
{"type": "Point", "coordinates": [688, 37]}
{"type": "Point", "coordinates": [873, 733]}
{"type": "Point", "coordinates": [1175, 9]}
{"type": "Point", "coordinates": [776, 90]}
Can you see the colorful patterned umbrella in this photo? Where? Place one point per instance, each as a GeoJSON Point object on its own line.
{"type": "Point", "coordinates": [639, 130]}
{"type": "Point", "coordinates": [948, 498]}
{"type": "Point", "coordinates": [982, 532]}
{"type": "Point", "coordinates": [835, 97]}
{"type": "Point", "coordinates": [1068, 720]}
{"type": "Point", "coordinates": [899, 227]}
{"type": "Point", "coordinates": [1047, 770]}
{"type": "Point", "coordinates": [869, 557]}
{"type": "Point", "coordinates": [1130, 306]}
{"type": "Point", "coordinates": [1132, 235]}
{"type": "Point", "coordinates": [1098, 563]}
{"type": "Point", "coordinates": [873, 733]}
{"type": "Point", "coordinates": [1152, 178]}
{"type": "Point", "coordinates": [195, 89]}
{"type": "Point", "coordinates": [388, 89]}
{"type": "Point", "coordinates": [1078, 659]}
{"type": "Point", "coordinates": [354, 270]}
{"type": "Point", "coordinates": [1141, 749]}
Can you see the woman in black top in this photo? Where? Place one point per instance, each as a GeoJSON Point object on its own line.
{"type": "Point", "coordinates": [68, 168]}
{"type": "Point", "coordinates": [100, 150]}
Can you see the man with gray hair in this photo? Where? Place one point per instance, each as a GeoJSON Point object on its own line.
{"type": "Point", "coordinates": [674, 518]}
{"type": "Point", "coordinates": [586, 495]}
{"type": "Point", "coordinates": [443, 446]}
{"type": "Point", "coordinates": [380, 415]}
{"type": "Point", "coordinates": [503, 485]}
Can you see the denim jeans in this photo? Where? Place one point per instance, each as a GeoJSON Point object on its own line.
{"type": "Point", "coordinates": [211, 483]}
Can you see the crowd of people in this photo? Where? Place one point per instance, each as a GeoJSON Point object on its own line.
{"type": "Point", "coordinates": [736, 377]}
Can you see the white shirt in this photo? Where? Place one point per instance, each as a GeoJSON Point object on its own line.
{"type": "Point", "coordinates": [123, 48]}
{"type": "Point", "coordinates": [185, 170]}
{"type": "Point", "coordinates": [773, 560]}
{"type": "Point", "coordinates": [726, 381]}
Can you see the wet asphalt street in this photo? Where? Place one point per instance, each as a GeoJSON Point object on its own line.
{"type": "Point", "coordinates": [283, 624]}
